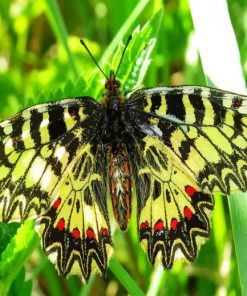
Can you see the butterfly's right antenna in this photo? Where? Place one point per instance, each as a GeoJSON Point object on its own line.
{"type": "Point", "coordinates": [89, 52]}
{"type": "Point", "coordinates": [128, 41]}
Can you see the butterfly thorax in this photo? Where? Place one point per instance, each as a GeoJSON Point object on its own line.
{"type": "Point", "coordinates": [119, 166]}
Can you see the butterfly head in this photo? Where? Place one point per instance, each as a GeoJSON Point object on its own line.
{"type": "Point", "coordinates": [112, 85]}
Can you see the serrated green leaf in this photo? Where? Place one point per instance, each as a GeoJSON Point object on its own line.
{"type": "Point", "coordinates": [20, 287]}
{"type": "Point", "coordinates": [16, 253]}
{"type": "Point", "coordinates": [7, 232]}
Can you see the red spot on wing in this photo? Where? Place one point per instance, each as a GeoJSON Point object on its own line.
{"type": "Point", "coordinates": [91, 234]}
{"type": "Point", "coordinates": [187, 213]}
{"type": "Point", "coordinates": [174, 223]}
{"type": "Point", "coordinates": [159, 225]}
{"type": "Point", "coordinates": [74, 112]}
{"type": "Point", "coordinates": [76, 233]}
{"type": "Point", "coordinates": [104, 232]}
{"type": "Point", "coordinates": [190, 190]}
{"type": "Point", "coordinates": [144, 225]}
{"type": "Point", "coordinates": [237, 103]}
{"type": "Point", "coordinates": [57, 203]}
{"type": "Point", "coordinates": [61, 224]}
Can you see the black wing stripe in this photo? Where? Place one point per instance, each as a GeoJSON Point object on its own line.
{"type": "Point", "coordinates": [199, 108]}
{"type": "Point", "coordinates": [175, 106]}
{"type": "Point", "coordinates": [35, 121]}
{"type": "Point", "coordinates": [57, 126]}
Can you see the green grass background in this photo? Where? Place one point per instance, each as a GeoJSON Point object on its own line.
{"type": "Point", "coordinates": [41, 59]}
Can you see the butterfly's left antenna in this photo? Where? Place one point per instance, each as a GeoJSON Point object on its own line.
{"type": "Point", "coordinates": [89, 52]}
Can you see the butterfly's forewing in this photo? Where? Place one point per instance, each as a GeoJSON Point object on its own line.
{"type": "Point", "coordinates": [75, 231]}
{"type": "Point", "coordinates": [205, 129]}
{"type": "Point", "coordinates": [37, 149]}
{"type": "Point", "coordinates": [189, 142]}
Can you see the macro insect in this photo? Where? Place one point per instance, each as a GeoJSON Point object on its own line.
{"type": "Point", "coordinates": [177, 145]}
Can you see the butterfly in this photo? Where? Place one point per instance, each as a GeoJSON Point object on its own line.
{"type": "Point", "coordinates": [169, 148]}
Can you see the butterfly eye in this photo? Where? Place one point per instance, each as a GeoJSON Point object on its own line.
{"type": "Point", "coordinates": [117, 84]}
{"type": "Point", "coordinates": [107, 85]}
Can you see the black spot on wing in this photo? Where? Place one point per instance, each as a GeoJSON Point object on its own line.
{"type": "Point", "coordinates": [168, 196]}
{"type": "Point", "coordinates": [219, 114]}
{"type": "Point", "coordinates": [77, 205]}
{"type": "Point", "coordinates": [161, 158]}
{"type": "Point", "coordinates": [87, 167]}
{"type": "Point", "coordinates": [168, 128]}
{"type": "Point", "coordinates": [238, 122]}
{"type": "Point", "coordinates": [56, 166]}
{"type": "Point", "coordinates": [143, 185]}
{"type": "Point", "coordinates": [74, 112]}
{"type": "Point", "coordinates": [35, 121]}
{"type": "Point", "coordinates": [184, 148]}
{"type": "Point", "coordinates": [71, 144]}
{"type": "Point", "coordinates": [2, 133]}
{"type": "Point", "coordinates": [197, 91]}
{"type": "Point", "coordinates": [77, 169]}
{"type": "Point", "coordinates": [199, 109]}
{"type": "Point", "coordinates": [57, 126]}
{"type": "Point", "coordinates": [157, 189]}
{"type": "Point", "coordinates": [156, 102]}
{"type": "Point", "coordinates": [151, 160]}
{"type": "Point", "coordinates": [72, 148]}
{"type": "Point", "coordinates": [87, 197]}
{"type": "Point", "coordinates": [175, 105]}
{"type": "Point", "coordinates": [17, 132]}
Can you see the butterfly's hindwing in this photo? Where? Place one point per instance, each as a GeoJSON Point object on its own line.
{"type": "Point", "coordinates": [37, 147]}
{"type": "Point", "coordinates": [75, 231]}
{"type": "Point", "coordinates": [173, 214]}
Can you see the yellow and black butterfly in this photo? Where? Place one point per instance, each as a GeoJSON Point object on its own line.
{"type": "Point", "coordinates": [177, 145]}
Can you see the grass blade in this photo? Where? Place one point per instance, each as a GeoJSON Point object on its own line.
{"type": "Point", "coordinates": [221, 62]}
{"type": "Point", "coordinates": [125, 279]}
{"type": "Point", "coordinates": [57, 23]}
{"type": "Point", "coordinates": [238, 208]}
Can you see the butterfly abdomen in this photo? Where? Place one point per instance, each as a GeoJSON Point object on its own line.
{"type": "Point", "coordinates": [119, 165]}
{"type": "Point", "coordinates": [120, 183]}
